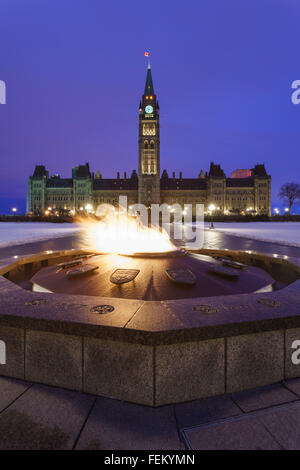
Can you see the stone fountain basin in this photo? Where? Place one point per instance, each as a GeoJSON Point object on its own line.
{"type": "Point", "coordinates": [152, 281]}
{"type": "Point", "coordinates": [144, 351]}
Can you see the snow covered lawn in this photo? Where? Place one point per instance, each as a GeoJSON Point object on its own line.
{"type": "Point", "coordinates": [286, 233]}
{"type": "Point", "coordinates": [19, 233]}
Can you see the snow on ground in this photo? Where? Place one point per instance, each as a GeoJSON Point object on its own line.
{"type": "Point", "coordinates": [19, 233]}
{"type": "Point", "coordinates": [286, 233]}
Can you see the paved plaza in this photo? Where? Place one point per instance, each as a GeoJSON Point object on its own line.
{"type": "Point", "coordinates": [36, 416]}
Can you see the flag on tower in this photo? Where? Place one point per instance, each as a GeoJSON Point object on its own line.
{"type": "Point", "coordinates": [147, 54]}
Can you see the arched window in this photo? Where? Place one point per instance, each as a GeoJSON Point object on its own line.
{"type": "Point", "coordinates": [152, 144]}
{"type": "Point", "coordinates": [146, 144]}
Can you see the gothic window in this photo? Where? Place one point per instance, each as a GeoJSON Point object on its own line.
{"type": "Point", "coordinates": [149, 129]}
{"type": "Point", "coordinates": [149, 162]}
{"type": "Point", "coordinates": [149, 165]}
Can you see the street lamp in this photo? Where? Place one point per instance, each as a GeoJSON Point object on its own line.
{"type": "Point", "coordinates": [14, 210]}
{"type": "Point", "coordinates": [211, 208]}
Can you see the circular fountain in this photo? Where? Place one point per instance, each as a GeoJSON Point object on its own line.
{"type": "Point", "coordinates": [140, 262]}
{"type": "Point", "coordinates": [152, 276]}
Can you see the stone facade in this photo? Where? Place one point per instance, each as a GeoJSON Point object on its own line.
{"type": "Point", "coordinates": [246, 191]}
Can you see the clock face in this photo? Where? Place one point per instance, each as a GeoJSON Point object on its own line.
{"type": "Point", "coordinates": [149, 109]}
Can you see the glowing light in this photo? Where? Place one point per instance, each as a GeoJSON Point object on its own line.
{"type": "Point", "coordinates": [122, 234]}
{"type": "Point", "coordinates": [89, 207]}
{"type": "Point", "coordinates": [275, 255]}
{"type": "Point", "coordinates": [14, 210]}
{"type": "Point", "coordinates": [212, 207]}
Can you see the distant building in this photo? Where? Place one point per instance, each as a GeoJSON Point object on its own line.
{"type": "Point", "coordinates": [246, 191]}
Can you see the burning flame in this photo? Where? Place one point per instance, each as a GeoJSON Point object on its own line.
{"type": "Point", "coordinates": [122, 234]}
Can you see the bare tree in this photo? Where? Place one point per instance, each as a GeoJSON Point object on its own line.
{"type": "Point", "coordinates": [290, 192]}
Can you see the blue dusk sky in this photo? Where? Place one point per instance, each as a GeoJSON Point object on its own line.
{"type": "Point", "coordinates": [75, 72]}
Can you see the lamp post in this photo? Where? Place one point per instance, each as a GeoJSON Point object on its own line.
{"type": "Point", "coordinates": [211, 209]}
{"type": "Point", "coordinates": [14, 210]}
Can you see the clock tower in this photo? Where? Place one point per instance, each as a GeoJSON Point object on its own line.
{"type": "Point", "coordinates": [149, 145]}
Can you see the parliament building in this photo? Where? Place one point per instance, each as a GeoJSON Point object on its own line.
{"type": "Point", "coordinates": [245, 191]}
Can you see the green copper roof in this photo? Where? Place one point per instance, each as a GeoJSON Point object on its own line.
{"type": "Point", "coordinates": [149, 89]}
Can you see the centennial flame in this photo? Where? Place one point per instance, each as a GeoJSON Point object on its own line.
{"type": "Point", "coordinates": [122, 234]}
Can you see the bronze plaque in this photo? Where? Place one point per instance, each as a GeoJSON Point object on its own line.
{"type": "Point", "coordinates": [101, 309]}
{"type": "Point", "coordinates": [181, 276]}
{"type": "Point", "coordinates": [233, 264]}
{"type": "Point", "coordinates": [69, 264]}
{"type": "Point", "coordinates": [205, 309]}
{"type": "Point", "coordinates": [224, 272]}
{"type": "Point", "coordinates": [269, 302]}
{"type": "Point", "coordinates": [82, 270]}
{"type": "Point", "coordinates": [36, 302]}
{"type": "Point", "coordinates": [121, 276]}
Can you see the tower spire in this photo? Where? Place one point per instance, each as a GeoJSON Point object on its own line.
{"type": "Point", "coordinates": [149, 89]}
